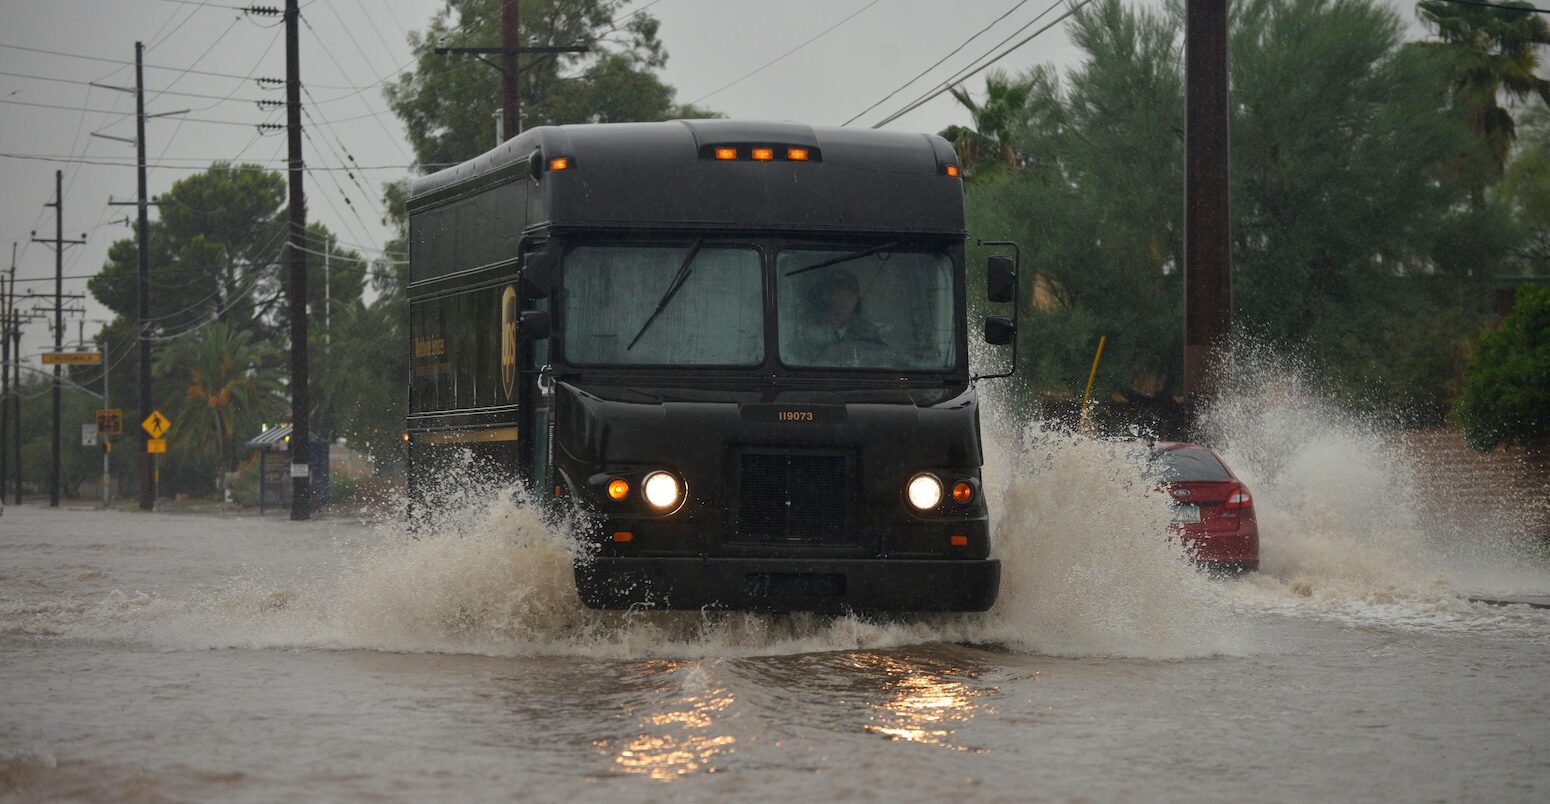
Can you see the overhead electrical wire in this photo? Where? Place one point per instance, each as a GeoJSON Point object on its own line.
{"type": "Point", "coordinates": [965, 75]}
{"type": "Point", "coordinates": [777, 59]}
{"type": "Point", "coordinates": [955, 51]}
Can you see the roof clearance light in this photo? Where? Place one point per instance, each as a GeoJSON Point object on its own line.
{"type": "Point", "coordinates": [763, 154]}
{"type": "Point", "coordinates": [796, 154]}
{"type": "Point", "coordinates": [725, 154]}
{"type": "Point", "coordinates": [952, 170]}
{"type": "Point", "coordinates": [559, 163]}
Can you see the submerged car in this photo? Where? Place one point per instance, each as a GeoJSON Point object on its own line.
{"type": "Point", "coordinates": [1213, 511]}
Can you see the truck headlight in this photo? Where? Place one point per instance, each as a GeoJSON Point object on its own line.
{"type": "Point", "coordinates": [924, 491]}
{"type": "Point", "coordinates": [662, 490]}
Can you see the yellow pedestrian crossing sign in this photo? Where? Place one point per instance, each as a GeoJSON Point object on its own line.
{"type": "Point", "coordinates": [156, 424]}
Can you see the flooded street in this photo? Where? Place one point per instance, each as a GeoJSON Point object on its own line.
{"type": "Point", "coordinates": [182, 657]}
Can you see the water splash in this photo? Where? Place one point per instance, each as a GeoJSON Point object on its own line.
{"type": "Point", "coordinates": [1343, 527]}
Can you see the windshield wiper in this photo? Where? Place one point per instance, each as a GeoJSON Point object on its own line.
{"type": "Point", "coordinates": [854, 255]}
{"type": "Point", "coordinates": [672, 290]}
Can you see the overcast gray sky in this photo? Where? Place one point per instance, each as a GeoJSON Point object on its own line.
{"type": "Point", "coordinates": [350, 47]}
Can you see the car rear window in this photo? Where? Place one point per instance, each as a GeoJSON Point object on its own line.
{"type": "Point", "coordinates": [1191, 465]}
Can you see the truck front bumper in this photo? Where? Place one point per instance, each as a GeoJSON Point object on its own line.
{"type": "Point", "coordinates": [786, 584]}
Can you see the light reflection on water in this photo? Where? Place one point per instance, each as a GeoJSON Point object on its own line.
{"type": "Point", "coordinates": [927, 704]}
{"type": "Point", "coordinates": [686, 737]}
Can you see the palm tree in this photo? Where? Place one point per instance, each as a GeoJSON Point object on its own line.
{"type": "Point", "coordinates": [997, 122]}
{"type": "Point", "coordinates": [227, 386]}
{"type": "Point", "coordinates": [1493, 52]}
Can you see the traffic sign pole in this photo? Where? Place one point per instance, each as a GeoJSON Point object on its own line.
{"type": "Point", "coordinates": [107, 449]}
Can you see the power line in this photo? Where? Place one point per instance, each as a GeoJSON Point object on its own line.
{"type": "Point", "coordinates": [1526, 9]}
{"type": "Point", "coordinates": [176, 93]}
{"type": "Point", "coordinates": [955, 51]}
{"type": "Point", "coordinates": [773, 61]}
{"type": "Point", "coordinates": [210, 73]}
{"type": "Point", "coordinates": [959, 79]}
{"type": "Point", "coordinates": [327, 51]}
{"type": "Point", "coordinates": [204, 163]}
{"type": "Point", "coordinates": [120, 114]}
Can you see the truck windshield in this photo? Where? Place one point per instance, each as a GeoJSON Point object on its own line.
{"type": "Point", "coordinates": [872, 309]}
{"type": "Point", "coordinates": [714, 318]}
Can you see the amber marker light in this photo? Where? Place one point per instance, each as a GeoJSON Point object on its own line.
{"type": "Point", "coordinates": [796, 154]}
{"type": "Point", "coordinates": [618, 488]}
{"type": "Point", "coordinates": [725, 154]}
{"type": "Point", "coordinates": [952, 170]}
{"type": "Point", "coordinates": [623, 536]}
{"type": "Point", "coordinates": [962, 492]}
{"type": "Point", "coordinates": [956, 540]}
{"type": "Point", "coordinates": [560, 163]}
{"type": "Point", "coordinates": [763, 154]}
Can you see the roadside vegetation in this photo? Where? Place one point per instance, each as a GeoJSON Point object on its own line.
{"type": "Point", "coordinates": [1389, 195]}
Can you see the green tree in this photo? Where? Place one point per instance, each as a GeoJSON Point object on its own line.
{"type": "Point", "coordinates": [1507, 398]}
{"type": "Point", "coordinates": [226, 391]}
{"type": "Point", "coordinates": [215, 252]}
{"type": "Point", "coordinates": [1347, 229]}
{"type": "Point", "coordinates": [1492, 52]}
{"type": "Point", "coordinates": [447, 102]}
{"type": "Point", "coordinates": [991, 143]}
{"type": "Point", "coordinates": [359, 380]}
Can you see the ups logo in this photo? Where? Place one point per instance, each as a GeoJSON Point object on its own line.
{"type": "Point", "coordinates": [509, 341]}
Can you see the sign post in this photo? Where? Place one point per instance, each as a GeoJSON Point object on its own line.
{"type": "Point", "coordinates": [156, 425]}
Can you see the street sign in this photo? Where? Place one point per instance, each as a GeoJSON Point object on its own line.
{"type": "Point", "coordinates": [156, 424]}
{"type": "Point", "coordinates": [156, 445]}
{"type": "Point", "coordinates": [88, 435]}
{"type": "Point", "coordinates": [110, 421]}
{"type": "Point", "coordinates": [71, 358]}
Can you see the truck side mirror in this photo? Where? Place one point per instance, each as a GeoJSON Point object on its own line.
{"type": "Point", "coordinates": [534, 324]}
{"type": "Point", "coordinates": [540, 274]}
{"type": "Point", "coordinates": [999, 330]}
{"type": "Point", "coordinates": [1000, 279]}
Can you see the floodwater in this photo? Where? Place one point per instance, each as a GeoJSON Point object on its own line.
{"type": "Point", "coordinates": [179, 657]}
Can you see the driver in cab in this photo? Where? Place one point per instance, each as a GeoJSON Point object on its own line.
{"type": "Point", "coordinates": [841, 333]}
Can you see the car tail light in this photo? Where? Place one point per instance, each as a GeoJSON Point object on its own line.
{"type": "Point", "coordinates": [1240, 498]}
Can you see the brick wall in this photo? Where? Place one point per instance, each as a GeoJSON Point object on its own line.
{"type": "Point", "coordinates": [1506, 487]}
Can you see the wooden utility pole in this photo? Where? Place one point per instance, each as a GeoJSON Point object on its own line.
{"type": "Point", "coordinates": [143, 274]}
{"type": "Point", "coordinates": [5, 374]}
{"type": "Point", "coordinates": [511, 37]}
{"type": "Point", "coordinates": [296, 295]}
{"type": "Point", "coordinates": [143, 292]}
{"type": "Point", "coordinates": [1207, 236]}
{"type": "Point", "coordinates": [59, 243]}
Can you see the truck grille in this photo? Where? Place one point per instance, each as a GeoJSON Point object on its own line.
{"type": "Point", "coordinates": [793, 498]}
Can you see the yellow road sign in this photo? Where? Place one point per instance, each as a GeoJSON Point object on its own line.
{"type": "Point", "coordinates": [71, 358]}
{"type": "Point", "coordinates": [156, 445]}
{"type": "Point", "coordinates": [156, 424]}
{"type": "Point", "coordinates": [110, 421]}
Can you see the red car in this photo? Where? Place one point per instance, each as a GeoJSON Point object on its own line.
{"type": "Point", "coordinates": [1213, 511]}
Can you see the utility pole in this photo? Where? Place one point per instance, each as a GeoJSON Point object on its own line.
{"type": "Point", "coordinates": [16, 389]}
{"type": "Point", "coordinates": [107, 441]}
{"type": "Point", "coordinates": [511, 100]}
{"type": "Point", "coordinates": [296, 297]}
{"type": "Point", "coordinates": [143, 275]}
{"type": "Point", "coordinates": [59, 242]}
{"type": "Point", "coordinates": [5, 374]}
{"type": "Point", "coordinates": [1207, 235]}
